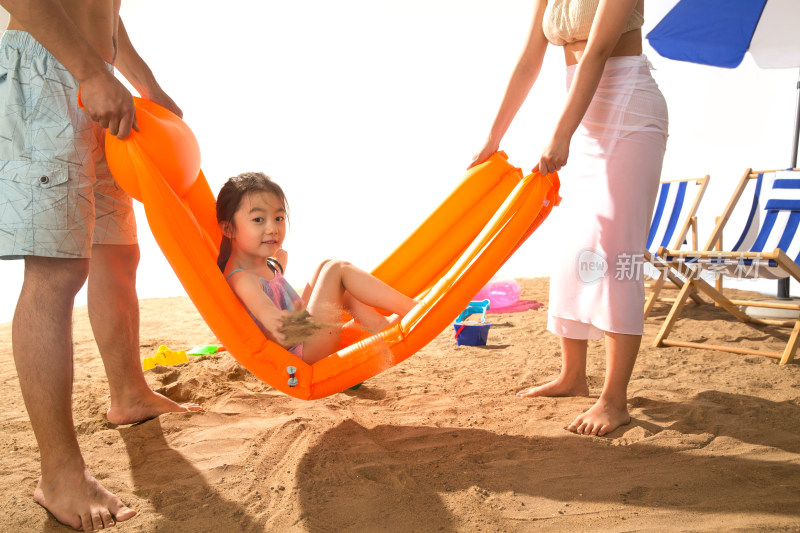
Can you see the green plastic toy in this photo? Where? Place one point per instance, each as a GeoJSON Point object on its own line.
{"type": "Point", "coordinates": [207, 349]}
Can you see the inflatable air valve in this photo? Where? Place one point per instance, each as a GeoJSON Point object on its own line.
{"type": "Point", "coordinates": [500, 293]}
{"type": "Point", "coordinates": [292, 379]}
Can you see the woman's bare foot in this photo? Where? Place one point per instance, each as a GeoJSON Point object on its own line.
{"type": "Point", "coordinates": [149, 405]}
{"type": "Point", "coordinates": [601, 419]}
{"type": "Point", "coordinates": [78, 500]}
{"type": "Point", "coordinates": [557, 387]}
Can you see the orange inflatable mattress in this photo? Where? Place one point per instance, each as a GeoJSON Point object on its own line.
{"type": "Point", "coordinates": [445, 262]}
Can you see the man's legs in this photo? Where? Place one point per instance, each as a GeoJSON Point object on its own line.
{"type": "Point", "coordinates": [114, 316]}
{"type": "Point", "coordinates": [42, 345]}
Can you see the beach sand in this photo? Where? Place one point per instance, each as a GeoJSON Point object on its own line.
{"type": "Point", "coordinates": [437, 443]}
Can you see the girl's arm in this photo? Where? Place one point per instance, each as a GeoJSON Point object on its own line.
{"type": "Point", "coordinates": [609, 21]}
{"type": "Point", "coordinates": [248, 288]}
{"type": "Point", "coordinates": [523, 78]}
{"type": "Point", "coordinates": [132, 66]}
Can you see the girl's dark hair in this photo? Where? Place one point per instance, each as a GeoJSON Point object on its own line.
{"type": "Point", "coordinates": [230, 198]}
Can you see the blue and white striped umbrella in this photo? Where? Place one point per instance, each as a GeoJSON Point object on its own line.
{"type": "Point", "coordinates": [720, 32]}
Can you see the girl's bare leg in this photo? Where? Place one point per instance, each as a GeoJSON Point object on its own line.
{"type": "Point", "coordinates": [371, 291]}
{"type": "Point", "coordinates": [309, 288]}
{"type": "Point", "coordinates": [366, 316]}
{"type": "Point", "coordinates": [329, 287]}
{"type": "Point", "coordinates": [572, 380]}
{"type": "Point", "coordinates": [611, 409]}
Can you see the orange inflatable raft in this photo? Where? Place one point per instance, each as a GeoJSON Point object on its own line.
{"type": "Point", "coordinates": [445, 262]}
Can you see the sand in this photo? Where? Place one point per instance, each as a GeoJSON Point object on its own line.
{"type": "Point", "coordinates": [437, 443]}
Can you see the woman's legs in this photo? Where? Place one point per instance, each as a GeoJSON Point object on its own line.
{"type": "Point", "coordinates": [572, 380]}
{"type": "Point", "coordinates": [611, 409]}
{"type": "Point", "coordinates": [338, 285]}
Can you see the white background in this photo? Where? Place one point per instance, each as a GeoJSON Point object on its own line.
{"type": "Point", "coordinates": [367, 113]}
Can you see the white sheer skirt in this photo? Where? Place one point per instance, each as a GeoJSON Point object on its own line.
{"type": "Point", "coordinates": [609, 186]}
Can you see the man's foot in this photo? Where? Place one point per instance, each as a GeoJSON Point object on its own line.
{"type": "Point", "coordinates": [557, 387]}
{"type": "Point", "coordinates": [601, 419]}
{"type": "Point", "coordinates": [150, 405]}
{"type": "Point", "coordinates": [78, 500]}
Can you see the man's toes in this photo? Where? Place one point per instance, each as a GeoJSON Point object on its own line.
{"type": "Point", "coordinates": [75, 523]}
{"type": "Point", "coordinates": [97, 521]}
{"type": "Point", "coordinates": [108, 520]}
{"type": "Point", "coordinates": [86, 521]}
{"type": "Point", "coordinates": [124, 513]}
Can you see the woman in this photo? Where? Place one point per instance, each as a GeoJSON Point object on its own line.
{"type": "Point", "coordinates": [620, 117]}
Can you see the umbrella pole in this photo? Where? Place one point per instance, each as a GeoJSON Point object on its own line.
{"type": "Point", "coordinates": [796, 128]}
{"type": "Point", "coordinates": [783, 284]}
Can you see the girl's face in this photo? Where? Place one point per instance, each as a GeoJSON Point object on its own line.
{"type": "Point", "coordinates": [259, 225]}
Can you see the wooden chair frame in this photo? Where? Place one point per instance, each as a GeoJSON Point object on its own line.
{"type": "Point", "coordinates": [691, 273]}
{"type": "Point", "coordinates": [665, 270]}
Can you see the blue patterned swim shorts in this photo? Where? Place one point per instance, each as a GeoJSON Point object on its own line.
{"type": "Point", "coordinates": [57, 195]}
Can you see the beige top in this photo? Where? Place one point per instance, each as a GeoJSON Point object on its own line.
{"type": "Point", "coordinates": [567, 21]}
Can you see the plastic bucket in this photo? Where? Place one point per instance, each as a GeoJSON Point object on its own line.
{"type": "Point", "coordinates": [471, 334]}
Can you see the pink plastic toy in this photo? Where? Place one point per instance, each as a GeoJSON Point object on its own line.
{"type": "Point", "coordinates": [500, 293]}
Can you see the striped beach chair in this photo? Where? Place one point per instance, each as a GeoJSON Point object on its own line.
{"type": "Point", "coordinates": [768, 247]}
{"type": "Point", "coordinates": [674, 217]}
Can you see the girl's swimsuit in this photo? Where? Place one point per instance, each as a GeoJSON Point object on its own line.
{"type": "Point", "coordinates": [282, 295]}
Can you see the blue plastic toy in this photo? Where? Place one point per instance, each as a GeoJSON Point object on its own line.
{"type": "Point", "coordinates": [475, 306]}
{"type": "Point", "coordinates": [472, 333]}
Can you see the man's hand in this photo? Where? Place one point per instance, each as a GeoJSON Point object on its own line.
{"type": "Point", "coordinates": [161, 98]}
{"type": "Point", "coordinates": [109, 103]}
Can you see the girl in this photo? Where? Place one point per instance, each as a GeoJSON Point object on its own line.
{"type": "Point", "coordinates": [620, 118]}
{"type": "Point", "coordinates": [251, 212]}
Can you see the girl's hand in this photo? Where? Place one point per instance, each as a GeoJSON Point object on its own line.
{"type": "Point", "coordinates": [554, 156]}
{"type": "Point", "coordinates": [275, 324]}
{"type": "Point", "coordinates": [485, 153]}
{"type": "Point", "coordinates": [283, 257]}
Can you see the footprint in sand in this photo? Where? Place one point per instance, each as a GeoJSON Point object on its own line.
{"type": "Point", "coordinates": [632, 436]}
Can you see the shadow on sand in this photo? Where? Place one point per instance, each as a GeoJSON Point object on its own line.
{"type": "Point", "coordinates": [392, 474]}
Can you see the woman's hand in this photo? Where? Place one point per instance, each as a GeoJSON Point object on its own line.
{"type": "Point", "coordinates": [485, 153]}
{"type": "Point", "coordinates": [554, 156]}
